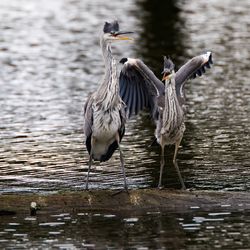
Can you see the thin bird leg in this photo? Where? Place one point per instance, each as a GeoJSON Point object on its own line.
{"type": "Point", "coordinates": [90, 163]}
{"type": "Point", "coordinates": [122, 162]}
{"type": "Point", "coordinates": [162, 164]}
{"type": "Point", "coordinates": [153, 143]}
{"type": "Point", "coordinates": [176, 164]}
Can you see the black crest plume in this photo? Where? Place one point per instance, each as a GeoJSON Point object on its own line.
{"type": "Point", "coordinates": [112, 27]}
{"type": "Point", "coordinates": [168, 65]}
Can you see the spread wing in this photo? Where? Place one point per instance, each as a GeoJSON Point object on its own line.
{"type": "Point", "coordinates": [139, 87]}
{"type": "Point", "coordinates": [196, 66]}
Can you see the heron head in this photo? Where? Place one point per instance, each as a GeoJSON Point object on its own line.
{"type": "Point", "coordinates": [168, 70]}
{"type": "Point", "coordinates": [112, 32]}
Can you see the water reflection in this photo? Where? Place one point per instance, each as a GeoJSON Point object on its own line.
{"type": "Point", "coordinates": [45, 79]}
{"type": "Point", "coordinates": [151, 230]}
{"type": "Point", "coordinates": [161, 32]}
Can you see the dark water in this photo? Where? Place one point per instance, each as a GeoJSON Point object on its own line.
{"type": "Point", "coordinates": [154, 230]}
{"type": "Point", "coordinates": [50, 60]}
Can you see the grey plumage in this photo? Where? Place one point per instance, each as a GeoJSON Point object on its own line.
{"type": "Point", "coordinates": [166, 104]}
{"type": "Point", "coordinates": [104, 111]}
{"type": "Point", "coordinates": [170, 124]}
{"type": "Point", "coordinates": [195, 66]}
{"type": "Point", "coordinates": [139, 87]}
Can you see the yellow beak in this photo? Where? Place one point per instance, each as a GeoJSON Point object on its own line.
{"type": "Point", "coordinates": [166, 77]}
{"type": "Point", "coordinates": [124, 38]}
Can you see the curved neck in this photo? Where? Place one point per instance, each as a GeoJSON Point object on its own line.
{"type": "Point", "coordinates": [107, 55]}
{"type": "Point", "coordinates": [107, 93]}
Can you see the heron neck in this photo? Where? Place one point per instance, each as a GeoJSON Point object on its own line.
{"type": "Point", "coordinates": [108, 90]}
{"type": "Point", "coordinates": [170, 93]}
{"type": "Point", "coordinates": [173, 111]}
{"type": "Point", "coordinates": [107, 55]}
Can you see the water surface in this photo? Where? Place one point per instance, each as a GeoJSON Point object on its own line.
{"type": "Point", "coordinates": [153, 230]}
{"type": "Point", "coordinates": [50, 60]}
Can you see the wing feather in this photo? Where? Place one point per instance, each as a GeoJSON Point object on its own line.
{"type": "Point", "coordinates": [126, 94]}
{"type": "Point", "coordinates": [138, 86]}
{"type": "Point", "coordinates": [195, 66]}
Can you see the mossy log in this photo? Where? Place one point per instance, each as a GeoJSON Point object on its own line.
{"type": "Point", "coordinates": [136, 201]}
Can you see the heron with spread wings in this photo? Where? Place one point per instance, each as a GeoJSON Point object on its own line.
{"type": "Point", "coordinates": [136, 88]}
{"type": "Point", "coordinates": [140, 88]}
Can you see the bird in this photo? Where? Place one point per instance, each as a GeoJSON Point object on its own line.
{"type": "Point", "coordinates": [140, 89]}
{"type": "Point", "coordinates": [104, 110]}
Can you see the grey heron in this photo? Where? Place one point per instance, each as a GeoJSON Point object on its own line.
{"type": "Point", "coordinates": [104, 110]}
{"type": "Point", "coordinates": [140, 88]}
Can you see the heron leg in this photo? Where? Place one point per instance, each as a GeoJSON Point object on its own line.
{"type": "Point", "coordinates": [90, 163]}
{"type": "Point", "coordinates": [162, 164]}
{"type": "Point", "coordinates": [176, 164]}
{"type": "Point", "coordinates": [122, 163]}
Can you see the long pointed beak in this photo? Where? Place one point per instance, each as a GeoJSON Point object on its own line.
{"type": "Point", "coordinates": [166, 76]}
{"type": "Point", "coordinates": [120, 35]}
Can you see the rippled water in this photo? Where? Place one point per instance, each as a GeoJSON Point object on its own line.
{"type": "Point", "coordinates": [50, 60]}
{"type": "Point", "coordinates": [154, 230]}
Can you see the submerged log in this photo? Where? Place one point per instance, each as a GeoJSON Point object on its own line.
{"type": "Point", "coordinates": [136, 201]}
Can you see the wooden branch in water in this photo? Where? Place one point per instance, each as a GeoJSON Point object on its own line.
{"type": "Point", "coordinates": [136, 201]}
